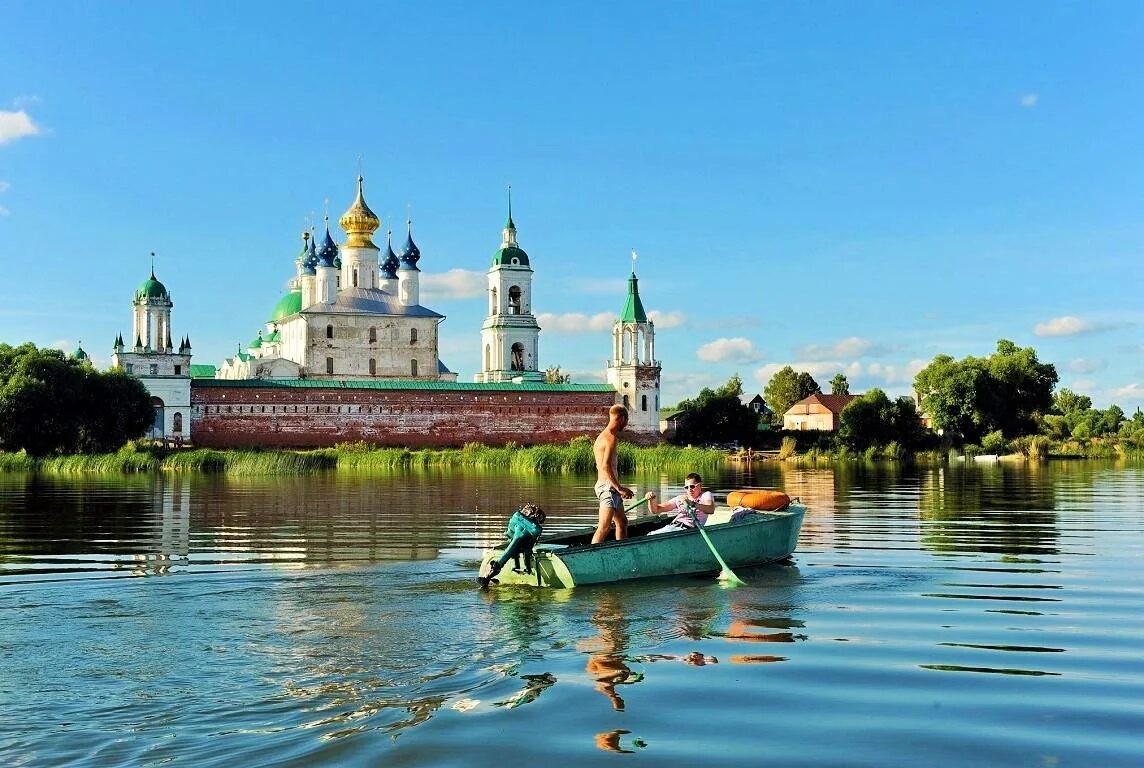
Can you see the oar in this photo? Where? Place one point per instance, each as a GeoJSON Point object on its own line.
{"type": "Point", "coordinates": [726, 574]}
{"type": "Point", "coordinates": [630, 507]}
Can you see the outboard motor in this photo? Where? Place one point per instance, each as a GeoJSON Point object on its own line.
{"type": "Point", "coordinates": [524, 528]}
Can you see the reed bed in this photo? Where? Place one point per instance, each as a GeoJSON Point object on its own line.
{"type": "Point", "coordinates": [574, 457]}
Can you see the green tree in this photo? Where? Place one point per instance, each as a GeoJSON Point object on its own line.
{"type": "Point", "coordinates": [553, 375]}
{"type": "Point", "coordinates": [786, 388]}
{"type": "Point", "coordinates": [51, 404]}
{"type": "Point", "coordinates": [1066, 401]}
{"type": "Point", "coordinates": [839, 385]}
{"type": "Point", "coordinates": [1011, 391]}
{"type": "Point", "coordinates": [872, 419]}
{"type": "Point", "coordinates": [716, 416]}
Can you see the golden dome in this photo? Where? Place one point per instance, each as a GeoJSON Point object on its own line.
{"type": "Point", "coordinates": [359, 222]}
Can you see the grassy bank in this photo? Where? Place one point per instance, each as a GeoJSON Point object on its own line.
{"type": "Point", "coordinates": [574, 457]}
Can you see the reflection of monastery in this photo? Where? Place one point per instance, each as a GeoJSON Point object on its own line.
{"type": "Point", "coordinates": [349, 353]}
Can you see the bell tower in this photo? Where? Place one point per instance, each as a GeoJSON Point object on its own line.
{"type": "Point", "coordinates": [510, 334]}
{"type": "Point", "coordinates": [633, 370]}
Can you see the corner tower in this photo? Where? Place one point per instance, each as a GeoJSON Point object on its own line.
{"type": "Point", "coordinates": [633, 369]}
{"type": "Point", "coordinates": [510, 334]}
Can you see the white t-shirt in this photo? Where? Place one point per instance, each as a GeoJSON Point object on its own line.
{"type": "Point", "coordinates": [683, 517]}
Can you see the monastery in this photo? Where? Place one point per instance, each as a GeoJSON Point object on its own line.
{"type": "Point", "coordinates": [350, 354]}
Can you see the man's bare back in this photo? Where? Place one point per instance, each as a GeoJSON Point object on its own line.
{"type": "Point", "coordinates": [608, 489]}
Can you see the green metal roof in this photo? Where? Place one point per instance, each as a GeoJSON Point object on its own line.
{"type": "Point", "coordinates": [152, 289]}
{"type": "Point", "coordinates": [290, 304]}
{"type": "Point", "coordinates": [633, 309]}
{"type": "Point", "coordinates": [203, 371]}
{"type": "Point", "coordinates": [504, 256]}
{"type": "Point", "coordinates": [397, 384]}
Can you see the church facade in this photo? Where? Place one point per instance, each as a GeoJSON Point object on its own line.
{"type": "Point", "coordinates": [350, 354]}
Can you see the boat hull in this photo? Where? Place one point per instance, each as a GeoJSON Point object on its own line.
{"type": "Point", "coordinates": [567, 560]}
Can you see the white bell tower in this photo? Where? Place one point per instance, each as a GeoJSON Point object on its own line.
{"type": "Point", "coordinates": [510, 334]}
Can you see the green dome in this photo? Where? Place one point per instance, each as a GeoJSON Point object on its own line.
{"type": "Point", "coordinates": [505, 256]}
{"type": "Point", "coordinates": [257, 343]}
{"type": "Point", "coordinates": [152, 289]}
{"type": "Point", "coordinates": [290, 304]}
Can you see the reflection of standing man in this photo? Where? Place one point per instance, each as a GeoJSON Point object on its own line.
{"type": "Point", "coordinates": [608, 488]}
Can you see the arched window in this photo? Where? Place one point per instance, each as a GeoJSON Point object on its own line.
{"type": "Point", "coordinates": [329, 331]}
{"type": "Point", "coordinates": [412, 367]}
{"type": "Point", "coordinates": [157, 424]}
{"type": "Point", "coordinates": [643, 403]}
{"type": "Point", "coordinates": [178, 422]}
{"type": "Point", "coordinates": [372, 335]}
{"type": "Point", "coordinates": [412, 335]}
{"type": "Point", "coordinates": [355, 277]}
{"type": "Point", "coordinates": [626, 403]}
{"type": "Point", "coordinates": [372, 367]}
{"type": "Point", "coordinates": [517, 357]}
{"type": "Point", "coordinates": [494, 308]}
{"type": "Point", "coordinates": [488, 357]}
{"type": "Point", "coordinates": [514, 300]}
{"type": "Point", "coordinates": [329, 365]}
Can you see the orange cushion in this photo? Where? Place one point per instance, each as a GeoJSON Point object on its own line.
{"type": "Point", "coordinates": [766, 501]}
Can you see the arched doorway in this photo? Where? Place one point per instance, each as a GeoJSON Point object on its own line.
{"type": "Point", "coordinates": [157, 430]}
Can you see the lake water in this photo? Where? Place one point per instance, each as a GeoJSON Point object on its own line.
{"type": "Point", "coordinates": [957, 616]}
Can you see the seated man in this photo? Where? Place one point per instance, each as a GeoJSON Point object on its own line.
{"type": "Point", "coordinates": [700, 502]}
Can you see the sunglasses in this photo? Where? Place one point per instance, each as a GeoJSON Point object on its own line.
{"type": "Point", "coordinates": [692, 485]}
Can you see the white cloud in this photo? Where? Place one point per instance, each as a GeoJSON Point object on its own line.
{"type": "Point", "coordinates": [851, 347]}
{"type": "Point", "coordinates": [16, 125]}
{"type": "Point", "coordinates": [576, 322]}
{"type": "Point", "coordinates": [1065, 326]}
{"type": "Point", "coordinates": [1030, 100]}
{"type": "Point", "coordinates": [1085, 365]}
{"type": "Point", "coordinates": [1131, 392]}
{"type": "Point", "coordinates": [820, 370]}
{"type": "Point", "coordinates": [454, 284]}
{"type": "Point", "coordinates": [1083, 385]}
{"type": "Point", "coordinates": [896, 374]}
{"type": "Point", "coordinates": [4, 186]}
{"type": "Point", "coordinates": [671, 319]}
{"type": "Point", "coordinates": [4, 211]}
{"type": "Point", "coordinates": [737, 350]}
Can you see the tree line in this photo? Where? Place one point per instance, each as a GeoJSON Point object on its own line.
{"type": "Point", "coordinates": [51, 404]}
{"type": "Point", "coordinates": [1004, 401]}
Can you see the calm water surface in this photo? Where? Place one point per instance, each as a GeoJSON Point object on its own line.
{"type": "Point", "coordinates": [966, 616]}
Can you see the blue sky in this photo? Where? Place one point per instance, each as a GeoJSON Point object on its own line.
{"type": "Point", "coordinates": [837, 186]}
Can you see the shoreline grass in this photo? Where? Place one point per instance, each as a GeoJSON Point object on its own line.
{"type": "Point", "coordinates": [574, 457]}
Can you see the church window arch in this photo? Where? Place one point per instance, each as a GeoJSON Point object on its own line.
{"type": "Point", "coordinates": [517, 357]}
{"type": "Point", "coordinates": [329, 331]}
{"type": "Point", "coordinates": [488, 357]}
{"type": "Point", "coordinates": [627, 403]}
{"type": "Point", "coordinates": [372, 366]}
{"type": "Point", "coordinates": [643, 403]}
{"type": "Point", "coordinates": [177, 422]}
{"type": "Point", "coordinates": [372, 335]}
{"type": "Point", "coordinates": [494, 308]}
{"type": "Point", "coordinates": [329, 365]}
{"type": "Point", "coordinates": [412, 335]}
{"type": "Point", "coordinates": [514, 300]}
{"type": "Point", "coordinates": [355, 277]}
{"type": "Point", "coordinates": [413, 367]}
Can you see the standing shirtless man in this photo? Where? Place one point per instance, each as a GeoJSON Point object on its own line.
{"type": "Point", "coordinates": [608, 488]}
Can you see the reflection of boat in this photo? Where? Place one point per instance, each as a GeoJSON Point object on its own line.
{"type": "Point", "coordinates": [569, 559]}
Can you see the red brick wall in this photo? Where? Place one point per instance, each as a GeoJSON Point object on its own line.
{"type": "Point", "coordinates": [284, 417]}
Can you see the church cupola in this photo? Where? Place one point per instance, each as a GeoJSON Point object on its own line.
{"type": "Point", "coordinates": [408, 275]}
{"type": "Point", "coordinates": [411, 254]}
{"type": "Point", "coordinates": [151, 312]}
{"type": "Point", "coordinates": [390, 264]}
{"type": "Point", "coordinates": [359, 222]}
{"type": "Point", "coordinates": [329, 250]}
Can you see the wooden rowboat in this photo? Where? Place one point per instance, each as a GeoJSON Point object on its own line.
{"type": "Point", "coordinates": [570, 560]}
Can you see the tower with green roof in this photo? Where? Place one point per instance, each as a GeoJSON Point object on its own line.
{"type": "Point", "coordinates": [510, 334]}
{"type": "Point", "coordinates": [632, 368]}
{"type": "Point", "coordinates": [153, 359]}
